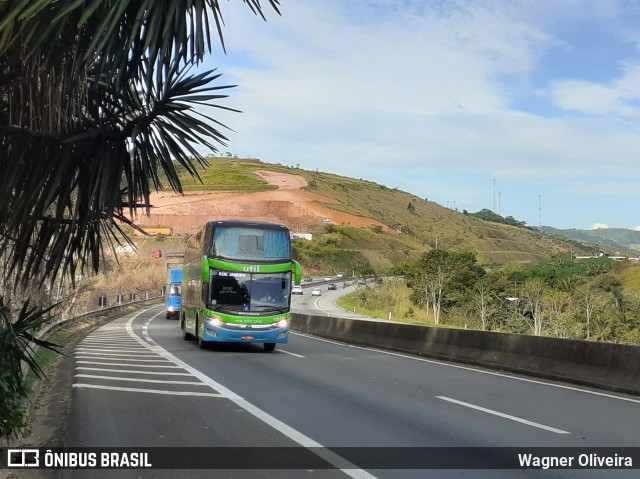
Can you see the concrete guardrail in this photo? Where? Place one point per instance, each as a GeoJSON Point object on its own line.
{"type": "Point", "coordinates": [609, 366]}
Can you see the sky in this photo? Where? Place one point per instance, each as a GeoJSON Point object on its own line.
{"type": "Point", "coordinates": [529, 108]}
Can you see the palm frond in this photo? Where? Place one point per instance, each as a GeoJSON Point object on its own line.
{"type": "Point", "coordinates": [96, 99]}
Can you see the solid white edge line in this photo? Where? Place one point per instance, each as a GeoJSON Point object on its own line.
{"type": "Point", "coordinates": [468, 368]}
{"type": "Point", "coordinates": [332, 458]}
{"type": "Point", "coordinates": [503, 415]}
{"type": "Point", "coordinates": [347, 314]}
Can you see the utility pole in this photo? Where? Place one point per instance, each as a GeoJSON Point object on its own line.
{"type": "Point", "coordinates": [500, 202]}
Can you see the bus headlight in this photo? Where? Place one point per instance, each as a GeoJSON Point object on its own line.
{"type": "Point", "coordinates": [215, 321]}
{"type": "Point", "coordinates": [283, 323]}
{"type": "Point", "coordinates": [171, 309]}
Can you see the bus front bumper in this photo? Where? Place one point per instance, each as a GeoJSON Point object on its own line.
{"type": "Point", "coordinates": [246, 334]}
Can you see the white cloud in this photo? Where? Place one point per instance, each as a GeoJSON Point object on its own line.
{"type": "Point", "coordinates": [617, 97]}
{"type": "Point", "coordinates": [417, 86]}
{"type": "Point", "coordinates": [591, 98]}
{"type": "Point", "coordinates": [408, 91]}
{"type": "Point", "coordinates": [599, 226]}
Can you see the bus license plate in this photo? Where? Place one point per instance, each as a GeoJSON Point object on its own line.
{"type": "Point", "coordinates": [247, 337]}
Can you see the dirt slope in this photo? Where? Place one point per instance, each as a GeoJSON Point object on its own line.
{"type": "Point", "coordinates": [289, 204]}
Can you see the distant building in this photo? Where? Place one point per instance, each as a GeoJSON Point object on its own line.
{"type": "Point", "coordinates": [299, 236]}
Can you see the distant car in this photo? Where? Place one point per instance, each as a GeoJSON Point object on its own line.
{"type": "Point", "coordinates": [332, 286]}
{"type": "Point", "coordinates": [328, 278]}
{"type": "Point", "coordinates": [316, 292]}
{"type": "Point", "coordinates": [308, 279]}
{"type": "Point", "coordinates": [340, 275]}
{"type": "Point", "coordinates": [297, 289]}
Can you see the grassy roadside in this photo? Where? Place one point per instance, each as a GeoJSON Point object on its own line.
{"type": "Point", "coordinates": [44, 356]}
{"type": "Point", "coordinates": [351, 303]}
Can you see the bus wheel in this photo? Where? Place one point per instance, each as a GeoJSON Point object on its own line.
{"type": "Point", "coordinates": [186, 336]}
{"type": "Point", "coordinates": [202, 343]}
{"type": "Point", "coordinates": [269, 346]}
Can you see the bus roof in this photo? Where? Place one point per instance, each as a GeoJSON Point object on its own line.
{"type": "Point", "coordinates": [247, 224]}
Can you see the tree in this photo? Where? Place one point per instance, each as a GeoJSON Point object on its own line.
{"type": "Point", "coordinates": [532, 293]}
{"type": "Point", "coordinates": [484, 304]}
{"type": "Point", "coordinates": [16, 336]}
{"type": "Point", "coordinates": [556, 305]}
{"type": "Point", "coordinates": [438, 275]}
{"type": "Point", "coordinates": [589, 302]}
{"type": "Point", "coordinates": [97, 104]}
{"type": "Point", "coordinates": [96, 100]}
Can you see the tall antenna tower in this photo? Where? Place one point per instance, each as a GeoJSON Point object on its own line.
{"type": "Point", "coordinates": [494, 195]}
{"type": "Point", "coordinates": [540, 213]}
{"type": "Point", "coordinates": [500, 202]}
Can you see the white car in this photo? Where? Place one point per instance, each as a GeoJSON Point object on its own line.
{"type": "Point", "coordinates": [327, 278]}
{"type": "Point", "coordinates": [297, 289]}
{"type": "Point", "coordinates": [316, 292]}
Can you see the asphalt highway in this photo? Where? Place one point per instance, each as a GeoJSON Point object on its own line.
{"type": "Point", "coordinates": [139, 384]}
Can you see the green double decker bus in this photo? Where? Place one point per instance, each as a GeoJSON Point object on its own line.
{"type": "Point", "coordinates": [236, 286]}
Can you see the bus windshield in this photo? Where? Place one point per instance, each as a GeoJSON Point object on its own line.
{"type": "Point", "coordinates": [251, 244]}
{"type": "Point", "coordinates": [237, 291]}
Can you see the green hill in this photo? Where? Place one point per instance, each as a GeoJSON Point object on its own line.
{"type": "Point", "coordinates": [622, 240]}
{"type": "Point", "coordinates": [416, 225]}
